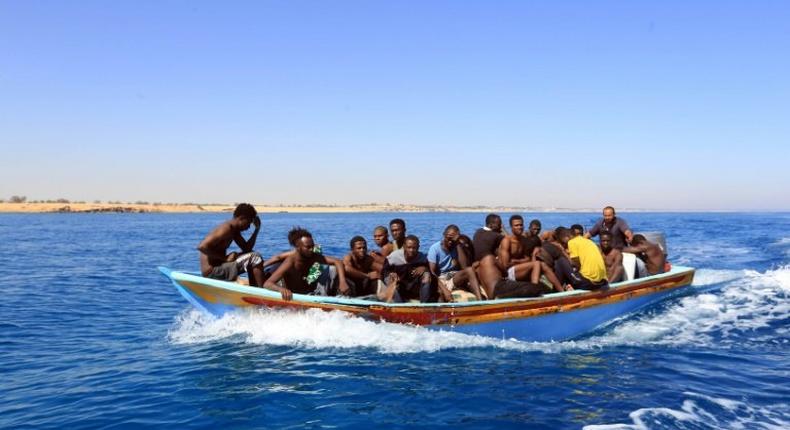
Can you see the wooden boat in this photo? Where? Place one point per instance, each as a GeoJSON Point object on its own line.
{"type": "Point", "coordinates": [551, 317]}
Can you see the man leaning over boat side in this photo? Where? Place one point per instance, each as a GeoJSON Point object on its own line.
{"type": "Point", "coordinates": [406, 274]}
{"type": "Point", "coordinates": [215, 264]}
{"type": "Point", "coordinates": [296, 274]}
{"type": "Point", "coordinates": [612, 257]}
{"type": "Point", "coordinates": [621, 232]}
{"type": "Point", "coordinates": [443, 260]}
{"type": "Point", "coordinates": [649, 253]}
{"type": "Point", "coordinates": [361, 273]}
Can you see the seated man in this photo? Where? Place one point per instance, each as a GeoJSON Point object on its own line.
{"type": "Point", "coordinates": [577, 230]}
{"type": "Point", "coordinates": [215, 264]}
{"type": "Point", "coordinates": [534, 229]}
{"type": "Point", "coordinates": [443, 262]}
{"type": "Point", "coordinates": [381, 238]}
{"type": "Point", "coordinates": [587, 270]}
{"type": "Point", "coordinates": [486, 243]}
{"type": "Point", "coordinates": [549, 254]}
{"type": "Point", "coordinates": [612, 257]}
{"type": "Point", "coordinates": [398, 232]}
{"type": "Point", "coordinates": [361, 276]}
{"type": "Point", "coordinates": [649, 253]}
{"type": "Point", "coordinates": [621, 232]}
{"type": "Point", "coordinates": [516, 252]}
{"type": "Point", "coordinates": [406, 274]}
{"type": "Point", "coordinates": [295, 270]}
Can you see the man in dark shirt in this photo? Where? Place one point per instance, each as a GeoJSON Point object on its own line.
{"type": "Point", "coordinates": [618, 227]}
{"type": "Point", "coordinates": [406, 274]}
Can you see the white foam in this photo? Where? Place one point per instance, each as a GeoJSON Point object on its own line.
{"type": "Point", "coordinates": [701, 411]}
{"type": "Point", "coordinates": [748, 301]}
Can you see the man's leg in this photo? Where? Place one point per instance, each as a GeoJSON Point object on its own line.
{"type": "Point", "coordinates": [425, 287]}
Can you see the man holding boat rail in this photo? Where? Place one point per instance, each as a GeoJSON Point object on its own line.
{"type": "Point", "coordinates": [618, 227]}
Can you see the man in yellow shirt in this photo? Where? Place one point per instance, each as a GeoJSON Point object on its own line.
{"type": "Point", "coordinates": [586, 269]}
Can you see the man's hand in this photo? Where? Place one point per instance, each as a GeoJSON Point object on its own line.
{"type": "Point", "coordinates": [232, 257]}
{"type": "Point", "coordinates": [392, 278]}
{"type": "Point", "coordinates": [373, 275]}
{"type": "Point", "coordinates": [286, 293]}
{"type": "Point", "coordinates": [343, 289]}
{"type": "Point", "coordinates": [418, 271]}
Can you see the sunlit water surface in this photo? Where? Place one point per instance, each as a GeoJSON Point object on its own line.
{"type": "Point", "coordinates": [92, 336]}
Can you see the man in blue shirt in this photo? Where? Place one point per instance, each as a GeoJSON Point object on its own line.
{"type": "Point", "coordinates": [445, 266]}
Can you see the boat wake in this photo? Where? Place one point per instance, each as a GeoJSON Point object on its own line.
{"type": "Point", "coordinates": [699, 411]}
{"type": "Point", "coordinates": [727, 304]}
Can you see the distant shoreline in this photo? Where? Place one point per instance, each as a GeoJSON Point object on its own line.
{"type": "Point", "coordinates": [121, 207]}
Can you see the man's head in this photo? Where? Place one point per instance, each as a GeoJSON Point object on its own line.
{"type": "Point", "coordinates": [494, 222]}
{"type": "Point", "coordinates": [243, 215]}
{"type": "Point", "coordinates": [577, 230]}
{"type": "Point", "coordinates": [517, 225]}
{"type": "Point", "coordinates": [359, 246]}
{"type": "Point", "coordinates": [606, 241]}
{"type": "Point", "coordinates": [608, 214]}
{"type": "Point", "coordinates": [638, 239]}
{"type": "Point", "coordinates": [397, 229]}
{"type": "Point", "coordinates": [380, 235]}
{"type": "Point", "coordinates": [303, 241]}
{"type": "Point", "coordinates": [534, 227]}
{"type": "Point", "coordinates": [411, 246]}
{"type": "Point", "coordinates": [450, 236]}
{"type": "Point", "coordinates": [563, 235]}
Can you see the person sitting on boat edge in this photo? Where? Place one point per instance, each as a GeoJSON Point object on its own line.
{"type": "Point", "coordinates": [406, 274]}
{"type": "Point", "coordinates": [444, 264]}
{"type": "Point", "coordinates": [361, 273]}
{"type": "Point", "coordinates": [398, 232]}
{"type": "Point", "coordinates": [621, 232]}
{"type": "Point", "coordinates": [296, 274]}
{"type": "Point", "coordinates": [534, 229]}
{"type": "Point", "coordinates": [215, 264]}
{"type": "Point", "coordinates": [649, 253]}
{"type": "Point", "coordinates": [586, 270]}
{"type": "Point", "coordinates": [381, 239]}
{"type": "Point", "coordinates": [612, 257]}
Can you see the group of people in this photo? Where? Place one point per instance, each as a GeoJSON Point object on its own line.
{"type": "Point", "coordinates": [491, 264]}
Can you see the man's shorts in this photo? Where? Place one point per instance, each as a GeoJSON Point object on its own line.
{"type": "Point", "coordinates": [446, 279]}
{"type": "Point", "coordinates": [511, 273]}
{"type": "Point", "coordinates": [231, 270]}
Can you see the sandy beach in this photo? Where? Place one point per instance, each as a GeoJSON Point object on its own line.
{"type": "Point", "coordinates": [116, 207]}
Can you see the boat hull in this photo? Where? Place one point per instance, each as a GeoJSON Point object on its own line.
{"type": "Point", "coordinates": [553, 317]}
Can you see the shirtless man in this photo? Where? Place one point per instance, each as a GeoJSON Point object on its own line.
{"type": "Point", "coordinates": [486, 243]}
{"type": "Point", "coordinates": [361, 274]}
{"type": "Point", "coordinates": [612, 257]}
{"type": "Point", "coordinates": [296, 267]}
{"type": "Point", "coordinates": [534, 229]}
{"type": "Point", "coordinates": [650, 253]}
{"type": "Point", "coordinates": [398, 232]}
{"type": "Point", "coordinates": [444, 265]}
{"type": "Point", "coordinates": [215, 264]}
{"type": "Point", "coordinates": [381, 238]}
{"type": "Point", "coordinates": [516, 253]}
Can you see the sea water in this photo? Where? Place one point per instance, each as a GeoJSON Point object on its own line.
{"type": "Point", "coordinates": [92, 336]}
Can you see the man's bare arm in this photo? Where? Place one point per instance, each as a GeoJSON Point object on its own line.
{"type": "Point", "coordinates": [504, 254]}
{"type": "Point", "coordinates": [351, 271]}
{"type": "Point", "coordinates": [342, 286]}
{"type": "Point", "coordinates": [271, 282]}
{"type": "Point", "coordinates": [248, 245]}
{"type": "Point", "coordinates": [278, 258]}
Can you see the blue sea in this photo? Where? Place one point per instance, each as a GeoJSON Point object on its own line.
{"type": "Point", "coordinates": [92, 336]}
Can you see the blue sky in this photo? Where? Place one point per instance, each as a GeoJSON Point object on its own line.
{"type": "Point", "coordinates": [663, 105]}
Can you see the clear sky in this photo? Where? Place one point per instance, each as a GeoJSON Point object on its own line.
{"type": "Point", "coordinates": [663, 105]}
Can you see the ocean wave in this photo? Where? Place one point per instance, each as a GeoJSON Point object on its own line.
{"type": "Point", "coordinates": [748, 301]}
{"type": "Point", "coordinates": [699, 411]}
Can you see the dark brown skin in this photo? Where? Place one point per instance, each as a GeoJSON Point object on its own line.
{"type": "Point", "coordinates": [410, 250]}
{"type": "Point", "coordinates": [608, 219]}
{"type": "Point", "coordinates": [398, 235]}
{"type": "Point", "coordinates": [512, 253]}
{"type": "Point", "coordinates": [651, 254]}
{"type": "Point", "coordinates": [613, 259]}
{"type": "Point", "coordinates": [465, 277]}
{"type": "Point", "coordinates": [295, 268]}
{"type": "Point", "coordinates": [215, 244]}
{"type": "Point", "coordinates": [358, 264]}
{"type": "Point", "coordinates": [381, 239]}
